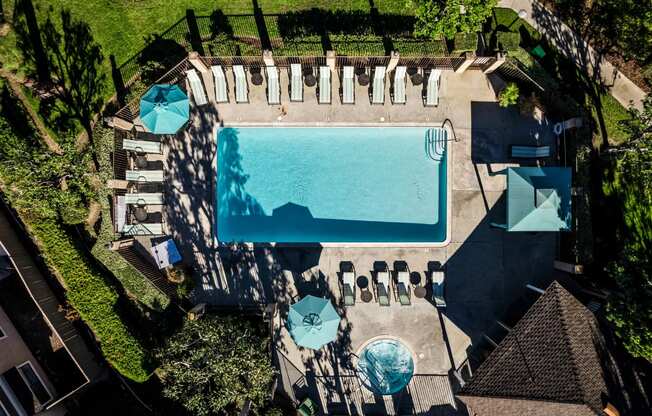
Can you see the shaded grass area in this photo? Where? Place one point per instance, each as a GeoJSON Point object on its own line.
{"type": "Point", "coordinates": [507, 20]}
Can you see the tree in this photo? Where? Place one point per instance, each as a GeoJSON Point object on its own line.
{"type": "Point", "coordinates": [630, 307]}
{"type": "Point", "coordinates": [437, 18]}
{"type": "Point", "coordinates": [214, 365]}
{"type": "Point", "coordinates": [29, 40]}
{"type": "Point", "coordinates": [75, 62]}
{"type": "Point", "coordinates": [509, 96]}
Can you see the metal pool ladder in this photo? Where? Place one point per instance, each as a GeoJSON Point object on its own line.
{"type": "Point", "coordinates": [436, 143]}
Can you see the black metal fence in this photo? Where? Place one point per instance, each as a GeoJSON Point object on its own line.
{"type": "Point", "coordinates": [307, 33]}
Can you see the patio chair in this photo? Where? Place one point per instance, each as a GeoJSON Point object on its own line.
{"type": "Point", "coordinates": [378, 88]}
{"type": "Point", "coordinates": [432, 89]}
{"type": "Point", "coordinates": [307, 408]}
{"type": "Point", "coordinates": [403, 287]}
{"type": "Point", "coordinates": [324, 90]}
{"type": "Point", "coordinates": [155, 198]}
{"type": "Point", "coordinates": [382, 287]}
{"type": "Point", "coordinates": [144, 175]}
{"type": "Point", "coordinates": [143, 229]}
{"type": "Point", "coordinates": [196, 87]}
{"type": "Point", "coordinates": [273, 88]}
{"type": "Point", "coordinates": [529, 152]}
{"type": "Point", "coordinates": [296, 82]}
{"type": "Point", "coordinates": [438, 278]}
{"type": "Point", "coordinates": [241, 90]}
{"type": "Point", "coordinates": [399, 85]}
{"type": "Point", "coordinates": [348, 85]}
{"type": "Point", "coordinates": [120, 212]}
{"type": "Point", "coordinates": [221, 90]}
{"type": "Point", "coordinates": [348, 288]}
{"type": "Point", "coordinates": [141, 146]}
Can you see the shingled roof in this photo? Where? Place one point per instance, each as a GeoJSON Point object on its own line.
{"type": "Point", "coordinates": [550, 363]}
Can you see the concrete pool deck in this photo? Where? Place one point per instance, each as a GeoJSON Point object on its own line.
{"type": "Point", "coordinates": [486, 268]}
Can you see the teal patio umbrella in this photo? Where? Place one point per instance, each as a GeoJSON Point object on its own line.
{"type": "Point", "coordinates": [313, 322]}
{"type": "Point", "coordinates": [164, 109]}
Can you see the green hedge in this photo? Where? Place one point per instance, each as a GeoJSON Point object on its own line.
{"type": "Point", "coordinates": [131, 279]}
{"type": "Point", "coordinates": [466, 42]}
{"type": "Point", "coordinates": [86, 288]}
{"type": "Point", "coordinates": [508, 41]}
{"type": "Point", "coordinates": [94, 299]}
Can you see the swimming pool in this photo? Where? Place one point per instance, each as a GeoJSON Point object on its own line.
{"type": "Point", "coordinates": [331, 184]}
{"type": "Point", "coordinates": [385, 366]}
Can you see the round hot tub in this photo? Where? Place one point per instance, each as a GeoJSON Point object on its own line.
{"type": "Point", "coordinates": [385, 366]}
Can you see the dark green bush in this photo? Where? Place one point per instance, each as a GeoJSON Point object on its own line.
{"type": "Point", "coordinates": [466, 42]}
{"type": "Point", "coordinates": [507, 41]}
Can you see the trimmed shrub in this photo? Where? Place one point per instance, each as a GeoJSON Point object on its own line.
{"type": "Point", "coordinates": [466, 42]}
{"type": "Point", "coordinates": [507, 41]}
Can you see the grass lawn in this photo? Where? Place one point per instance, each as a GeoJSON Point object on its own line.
{"type": "Point", "coordinates": [507, 20]}
{"type": "Point", "coordinates": [612, 113]}
{"type": "Point", "coordinates": [121, 26]}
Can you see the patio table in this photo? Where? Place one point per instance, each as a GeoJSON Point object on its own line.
{"type": "Point", "coordinates": [363, 79]}
{"type": "Point", "coordinates": [140, 213]}
{"type": "Point", "coordinates": [366, 296]}
{"type": "Point", "coordinates": [420, 292]}
{"type": "Point", "coordinates": [417, 79]}
{"type": "Point", "coordinates": [141, 161]}
{"type": "Point", "coordinates": [310, 80]}
{"type": "Point", "coordinates": [257, 78]}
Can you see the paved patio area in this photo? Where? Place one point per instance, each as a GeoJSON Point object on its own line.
{"type": "Point", "coordinates": [486, 268]}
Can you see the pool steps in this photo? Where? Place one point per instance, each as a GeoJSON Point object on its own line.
{"type": "Point", "coordinates": [436, 143]}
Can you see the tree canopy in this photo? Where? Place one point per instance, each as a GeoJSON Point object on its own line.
{"type": "Point", "coordinates": [630, 307]}
{"type": "Point", "coordinates": [437, 18]}
{"type": "Point", "coordinates": [214, 365]}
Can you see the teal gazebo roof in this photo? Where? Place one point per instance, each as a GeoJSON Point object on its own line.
{"type": "Point", "coordinates": [538, 199]}
{"type": "Point", "coordinates": [164, 109]}
{"type": "Point", "coordinates": [313, 322]}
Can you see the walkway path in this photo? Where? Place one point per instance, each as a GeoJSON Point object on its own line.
{"type": "Point", "coordinates": [575, 48]}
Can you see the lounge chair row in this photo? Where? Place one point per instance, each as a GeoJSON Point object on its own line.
{"type": "Point", "coordinates": [324, 85]}
{"type": "Point", "coordinates": [383, 283]}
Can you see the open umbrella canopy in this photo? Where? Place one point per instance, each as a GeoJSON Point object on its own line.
{"type": "Point", "coordinates": [313, 322]}
{"type": "Point", "coordinates": [164, 109]}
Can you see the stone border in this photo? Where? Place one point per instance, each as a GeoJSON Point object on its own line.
{"type": "Point", "coordinates": [449, 175]}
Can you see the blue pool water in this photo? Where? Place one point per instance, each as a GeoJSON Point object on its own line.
{"type": "Point", "coordinates": [330, 184]}
{"type": "Point", "coordinates": [385, 366]}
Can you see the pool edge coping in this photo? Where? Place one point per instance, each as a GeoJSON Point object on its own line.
{"type": "Point", "coordinates": [449, 169]}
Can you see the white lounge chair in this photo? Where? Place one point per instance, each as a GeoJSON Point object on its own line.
{"type": "Point", "coordinates": [403, 287]}
{"type": "Point", "coordinates": [529, 152]}
{"type": "Point", "coordinates": [196, 87]}
{"type": "Point", "coordinates": [348, 288]}
{"type": "Point", "coordinates": [273, 88]}
{"type": "Point", "coordinates": [399, 85]}
{"type": "Point", "coordinates": [241, 90]}
{"type": "Point", "coordinates": [142, 146]}
{"type": "Point", "coordinates": [144, 198]}
{"type": "Point", "coordinates": [144, 175]}
{"type": "Point", "coordinates": [378, 91]}
{"type": "Point", "coordinates": [324, 85]}
{"type": "Point", "coordinates": [296, 82]}
{"type": "Point", "coordinates": [438, 295]}
{"type": "Point", "coordinates": [221, 91]}
{"type": "Point", "coordinates": [432, 90]}
{"type": "Point", "coordinates": [120, 212]}
{"type": "Point", "coordinates": [143, 229]}
{"type": "Point", "coordinates": [382, 287]}
{"type": "Point", "coordinates": [348, 85]}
